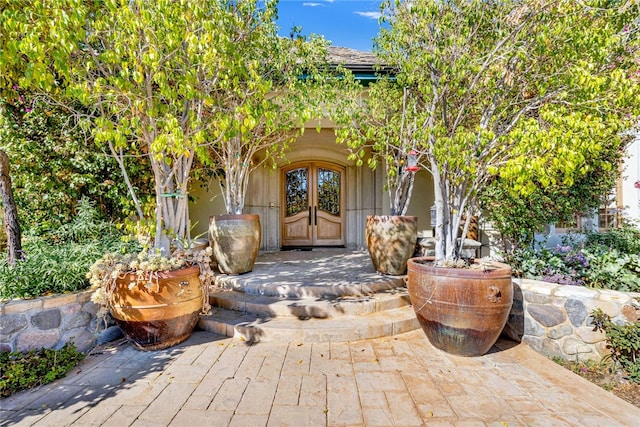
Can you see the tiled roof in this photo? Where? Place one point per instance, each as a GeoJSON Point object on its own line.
{"type": "Point", "coordinates": [347, 56]}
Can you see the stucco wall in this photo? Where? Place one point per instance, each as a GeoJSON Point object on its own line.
{"type": "Point", "coordinates": [365, 194]}
{"type": "Point", "coordinates": [631, 174]}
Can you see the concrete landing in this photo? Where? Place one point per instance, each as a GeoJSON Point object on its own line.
{"type": "Point", "coordinates": [320, 273]}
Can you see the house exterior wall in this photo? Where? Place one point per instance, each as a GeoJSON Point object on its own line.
{"type": "Point", "coordinates": [365, 194]}
{"type": "Point", "coordinates": [631, 175]}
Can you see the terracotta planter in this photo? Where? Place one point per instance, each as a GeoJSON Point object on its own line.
{"type": "Point", "coordinates": [160, 316]}
{"type": "Point", "coordinates": [462, 311]}
{"type": "Point", "coordinates": [391, 241]}
{"type": "Point", "coordinates": [235, 240]}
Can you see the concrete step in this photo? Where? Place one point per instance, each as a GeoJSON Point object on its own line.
{"type": "Point", "coordinates": [307, 284]}
{"type": "Point", "coordinates": [255, 328]}
{"type": "Point", "coordinates": [285, 310]}
{"type": "Point", "coordinates": [310, 307]}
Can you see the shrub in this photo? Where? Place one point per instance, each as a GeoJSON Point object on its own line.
{"type": "Point", "coordinates": [614, 270]}
{"type": "Point", "coordinates": [21, 371]}
{"type": "Point", "coordinates": [609, 260]}
{"type": "Point", "coordinates": [625, 240]}
{"type": "Point", "coordinates": [623, 341]}
{"type": "Point", "coordinates": [54, 164]}
{"type": "Point", "coordinates": [58, 262]}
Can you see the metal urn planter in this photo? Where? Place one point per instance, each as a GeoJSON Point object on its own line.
{"type": "Point", "coordinates": [461, 310]}
{"type": "Point", "coordinates": [391, 241]}
{"type": "Point", "coordinates": [235, 241]}
{"type": "Point", "coordinates": [159, 311]}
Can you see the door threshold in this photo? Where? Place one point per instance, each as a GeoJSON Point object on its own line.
{"type": "Point", "coordinates": [310, 248]}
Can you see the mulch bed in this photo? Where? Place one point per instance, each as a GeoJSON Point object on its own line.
{"type": "Point", "coordinates": [604, 376]}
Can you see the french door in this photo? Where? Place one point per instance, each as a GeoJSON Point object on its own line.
{"type": "Point", "coordinates": [313, 205]}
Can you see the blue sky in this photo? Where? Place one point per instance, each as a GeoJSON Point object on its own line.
{"type": "Point", "coordinates": [347, 23]}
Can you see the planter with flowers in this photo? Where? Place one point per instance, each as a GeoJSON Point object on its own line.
{"type": "Point", "coordinates": [155, 300]}
{"type": "Point", "coordinates": [493, 91]}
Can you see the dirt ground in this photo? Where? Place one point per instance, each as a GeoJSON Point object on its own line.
{"type": "Point", "coordinates": [604, 376]}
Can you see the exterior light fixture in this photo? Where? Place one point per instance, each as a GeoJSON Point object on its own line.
{"type": "Point", "coordinates": [412, 161]}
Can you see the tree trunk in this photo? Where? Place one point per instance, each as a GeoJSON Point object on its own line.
{"type": "Point", "coordinates": [11, 224]}
{"type": "Point", "coordinates": [441, 219]}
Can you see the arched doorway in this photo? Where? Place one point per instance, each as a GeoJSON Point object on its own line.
{"type": "Point", "coordinates": [313, 205]}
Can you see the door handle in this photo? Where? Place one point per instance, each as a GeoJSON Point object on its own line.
{"type": "Point", "coordinates": [315, 215]}
{"type": "Point", "coordinates": [309, 215]}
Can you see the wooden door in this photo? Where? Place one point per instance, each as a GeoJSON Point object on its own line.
{"type": "Point", "coordinates": [313, 205]}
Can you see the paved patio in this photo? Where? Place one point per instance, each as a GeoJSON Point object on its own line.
{"type": "Point", "coordinates": [397, 381]}
{"type": "Point", "coordinates": [394, 380]}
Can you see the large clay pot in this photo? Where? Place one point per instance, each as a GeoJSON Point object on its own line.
{"type": "Point", "coordinates": [161, 315]}
{"type": "Point", "coordinates": [235, 240]}
{"type": "Point", "coordinates": [461, 310]}
{"type": "Point", "coordinates": [391, 241]}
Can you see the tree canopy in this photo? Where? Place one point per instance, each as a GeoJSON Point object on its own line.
{"type": "Point", "coordinates": [383, 125]}
{"type": "Point", "coordinates": [510, 89]}
{"type": "Point", "coordinates": [168, 80]}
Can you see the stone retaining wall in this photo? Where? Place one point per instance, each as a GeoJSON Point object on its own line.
{"type": "Point", "coordinates": [51, 322]}
{"type": "Point", "coordinates": [555, 319]}
{"type": "Point", "coordinates": [552, 319]}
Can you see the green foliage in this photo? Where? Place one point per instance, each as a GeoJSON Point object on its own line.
{"type": "Point", "coordinates": [54, 165]}
{"type": "Point", "coordinates": [382, 127]}
{"type": "Point", "coordinates": [21, 371]}
{"type": "Point", "coordinates": [623, 342]}
{"type": "Point", "coordinates": [615, 270]}
{"type": "Point", "coordinates": [522, 90]}
{"type": "Point", "coordinates": [614, 265]}
{"type": "Point", "coordinates": [519, 215]}
{"type": "Point", "coordinates": [57, 262]}
{"type": "Point", "coordinates": [166, 79]}
{"type": "Point", "coordinates": [625, 240]}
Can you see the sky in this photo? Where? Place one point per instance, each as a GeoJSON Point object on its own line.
{"type": "Point", "coordinates": [347, 23]}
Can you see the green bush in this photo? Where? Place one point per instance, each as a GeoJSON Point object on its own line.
{"type": "Point", "coordinates": [623, 341]}
{"type": "Point", "coordinates": [21, 371]}
{"type": "Point", "coordinates": [54, 164]}
{"type": "Point", "coordinates": [625, 240]}
{"type": "Point", "coordinates": [609, 260]}
{"type": "Point", "coordinates": [58, 262]}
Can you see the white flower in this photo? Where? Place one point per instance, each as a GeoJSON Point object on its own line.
{"type": "Point", "coordinates": [98, 296]}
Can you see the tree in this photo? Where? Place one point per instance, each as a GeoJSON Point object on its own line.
{"type": "Point", "coordinates": [11, 224]}
{"type": "Point", "coordinates": [269, 88]}
{"type": "Point", "coordinates": [518, 216]}
{"type": "Point", "coordinates": [158, 78]}
{"type": "Point", "coordinates": [384, 123]}
{"type": "Point", "coordinates": [509, 89]}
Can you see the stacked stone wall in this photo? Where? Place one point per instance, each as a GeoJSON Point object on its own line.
{"type": "Point", "coordinates": [555, 320]}
{"type": "Point", "coordinates": [552, 319]}
{"type": "Point", "coordinates": [51, 322]}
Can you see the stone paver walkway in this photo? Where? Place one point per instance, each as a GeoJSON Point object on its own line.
{"type": "Point", "coordinates": [212, 380]}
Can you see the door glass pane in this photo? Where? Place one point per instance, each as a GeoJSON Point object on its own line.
{"type": "Point", "coordinates": [296, 185]}
{"type": "Point", "coordinates": [329, 191]}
